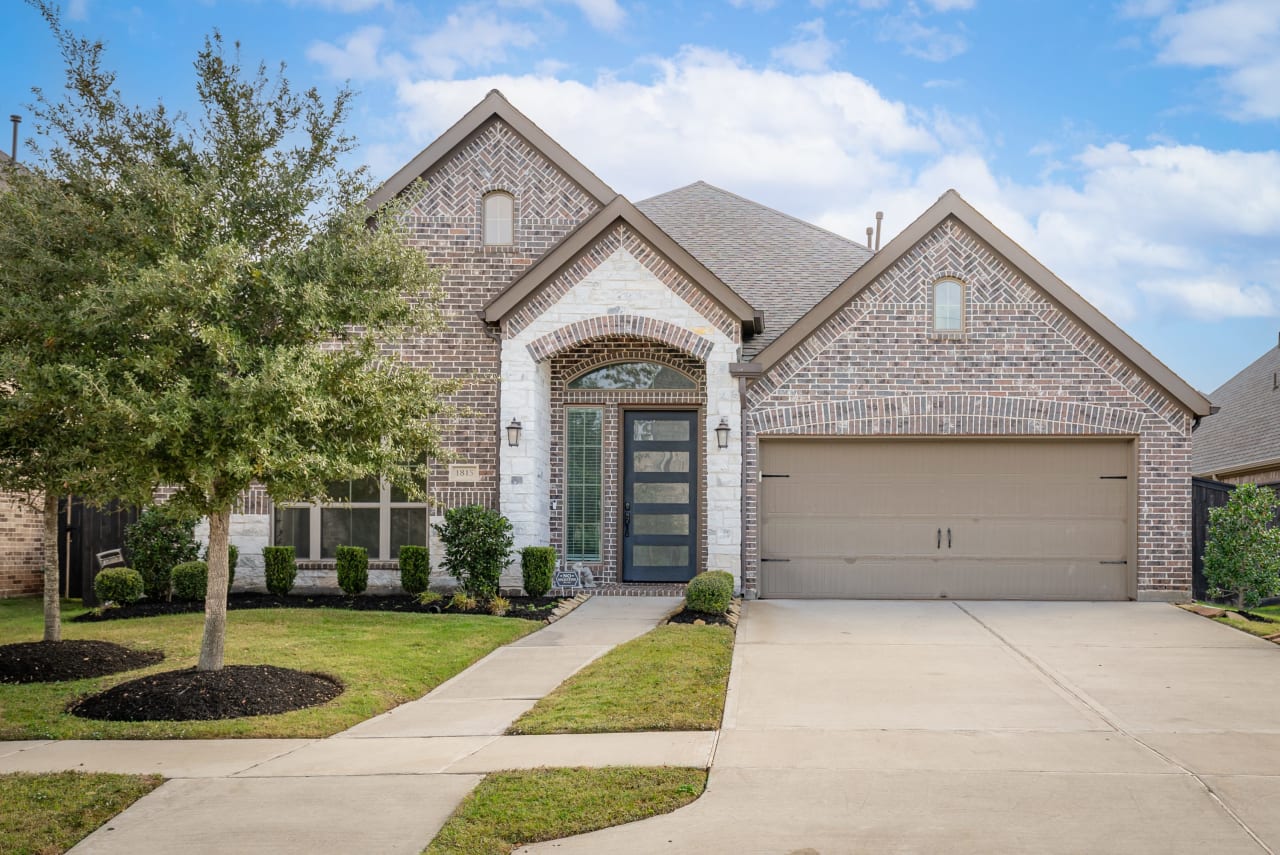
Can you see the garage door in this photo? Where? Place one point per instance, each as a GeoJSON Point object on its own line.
{"type": "Point", "coordinates": [958, 519]}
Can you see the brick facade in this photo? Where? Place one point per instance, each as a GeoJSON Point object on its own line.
{"type": "Point", "coordinates": [21, 546]}
{"type": "Point", "coordinates": [1023, 367]}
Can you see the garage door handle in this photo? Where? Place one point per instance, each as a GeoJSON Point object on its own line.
{"type": "Point", "coordinates": [776, 560]}
{"type": "Point", "coordinates": [1113, 562]}
{"type": "Point", "coordinates": [939, 538]}
{"type": "Point", "coordinates": [948, 538]}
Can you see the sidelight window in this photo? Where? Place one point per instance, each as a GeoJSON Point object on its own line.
{"type": "Point", "coordinates": [583, 498]}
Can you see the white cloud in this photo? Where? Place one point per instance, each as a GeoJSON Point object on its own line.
{"type": "Point", "coordinates": [950, 5]}
{"type": "Point", "coordinates": [470, 38]}
{"type": "Point", "coordinates": [360, 57]}
{"type": "Point", "coordinates": [343, 5]}
{"type": "Point", "coordinates": [809, 48]}
{"type": "Point", "coordinates": [1238, 37]}
{"type": "Point", "coordinates": [78, 10]}
{"type": "Point", "coordinates": [757, 5]}
{"type": "Point", "coordinates": [1212, 298]}
{"type": "Point", "coordinates": [921, 40]}
{"type": "Point", "coordinates": [603, 14]}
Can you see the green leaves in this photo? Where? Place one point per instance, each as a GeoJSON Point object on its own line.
{"type": "Point", "coordinates": [1242, 555]}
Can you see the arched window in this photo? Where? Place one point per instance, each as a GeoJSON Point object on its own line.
{"type": "Point", "coordinates": [499, 219]}
{"type": "Point", "coordinates": [633, 375]}
{"type": "Point", "coordinates": [948, 306]}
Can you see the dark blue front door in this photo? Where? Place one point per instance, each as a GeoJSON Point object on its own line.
{"type": "Point", "coordinates": [660, 496]}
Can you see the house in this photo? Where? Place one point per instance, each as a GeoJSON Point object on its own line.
{"type": "Point", "coordinates": [696, 381]}
{"type": "Point", "coordinates": [1240, 444]}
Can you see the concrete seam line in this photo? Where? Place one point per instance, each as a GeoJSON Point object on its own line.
{"type": "Point", "coordinates": [253, 766]}
{"type": "Point", "coordinates": [1120, 729]}
{"type": "Point", "coordinates": [468, 755]}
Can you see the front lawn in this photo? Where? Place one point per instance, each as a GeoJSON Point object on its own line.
{"type": "Point", "coordinates": [1234, 619]}
{"type": "Point", "coordinates": [672, 678]}
{"type": "Point", "coordinates": [48, 814]}
{"type": "Point", "coordinates": [510, 809]}
{"type": "Point", "coordinates": [383, 659]}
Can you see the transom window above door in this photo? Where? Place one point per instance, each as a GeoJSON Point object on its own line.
{"type": "Point", "coordinates": [633, 375]}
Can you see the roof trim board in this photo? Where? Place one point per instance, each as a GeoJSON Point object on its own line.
{"type": "Point", "coordinates": [579, 240]}
{"type": "Point", "coordinates": [951, 204]}
{"type": "Point", "coordinates": [494, 104]}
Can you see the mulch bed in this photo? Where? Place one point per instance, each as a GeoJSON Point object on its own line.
{"type": "Point", "coordinates": [527, 608]}
{"type": "Point", "coordinates": [190, 695]}
{"type": "Point", "coordinates": [54, 661]}
{"type": "Point", "coordinates": [690, 616]}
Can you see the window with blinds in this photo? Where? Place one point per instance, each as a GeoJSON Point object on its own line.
{"type": "Point", "coordinates": [583, 500]}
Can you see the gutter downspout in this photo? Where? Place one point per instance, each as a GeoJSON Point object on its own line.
{"type": "Point", "coordinates": [742, 487]}
{"type": "Point", "coordinates": [494, 333]}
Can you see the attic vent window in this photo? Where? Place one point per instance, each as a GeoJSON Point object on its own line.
{"type": "Point", "coordinates": [499, 219]}
{"type": "Point", "coordinates": [948, 306]}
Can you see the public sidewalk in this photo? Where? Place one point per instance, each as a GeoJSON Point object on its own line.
{"type": "Point", "coordinates": [385, 785]}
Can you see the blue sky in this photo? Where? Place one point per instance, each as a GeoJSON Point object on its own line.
{"type": "Point", "coordinates": [1133, 146]}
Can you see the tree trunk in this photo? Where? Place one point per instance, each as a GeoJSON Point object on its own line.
{"type": "Point", "coordinates": [215, 598]}
{"type": "Point", "coordinates": [52, 599]}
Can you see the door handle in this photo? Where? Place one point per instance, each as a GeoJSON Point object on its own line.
{"type": "Point", "coordinates": [948, 538]}
{"type": "Point", "coordinates": [626, 520]}
{"type": "Point", "coordinates": [939, 538]}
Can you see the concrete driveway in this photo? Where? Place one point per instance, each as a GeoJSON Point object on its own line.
{"type": "Point", "coordinates": [984, 727]}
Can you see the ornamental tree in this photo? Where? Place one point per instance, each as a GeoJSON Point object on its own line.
{"type": "Point", "coordinates": [251, 308]}
{"type": "Point", "coordinates": [1242, 553]}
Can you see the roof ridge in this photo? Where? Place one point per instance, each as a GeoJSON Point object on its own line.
{"type": "Point", "coordinates": [768, 208]}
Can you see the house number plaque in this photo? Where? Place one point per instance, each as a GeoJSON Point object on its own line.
{"type": "Point", "coordinates": [464, 473]}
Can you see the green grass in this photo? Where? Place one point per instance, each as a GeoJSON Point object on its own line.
{"type": "Point", "coordinates": [510, 809]}
{"type": "Point", "coordinates": [383, 659]}
{"type": "Point", "coordinates": [1253, 627]}
{"type": "Point", "coordinates": [48, 814]}
{"type": "Point", "coordinates": [673, 678]}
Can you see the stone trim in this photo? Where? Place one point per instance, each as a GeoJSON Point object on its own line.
{"type": "Point", "coordinates": [608, 326]}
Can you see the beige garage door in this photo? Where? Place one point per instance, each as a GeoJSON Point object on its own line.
{"type": "Point", "coordinates": [958, 519]}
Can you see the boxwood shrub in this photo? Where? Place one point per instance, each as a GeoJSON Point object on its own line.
{"type": "Point", "coordinates": [415, 569]}
{"type": "Point", "coordinates": [353, 569]}
{"type": "Point", "coordinates": [477, 547]}
{"type": "Point", "coordinates": [281, 569]}
{"type": "Point", "coordinates": [120, 585]}
{"type": "Point", "coordinates": [190, 580]}
{"type": "Point", "coordinates": [710, 593]}
{"type": "Point", "coordinates": [155, 543]}
{"type": "Point", "coordinates": [538, 565]}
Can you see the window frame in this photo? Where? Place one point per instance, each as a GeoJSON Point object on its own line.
{"type": "Point", "coordinates": [569, 387]}
{"type": "Point", "coordinates": [484, 218]}
{"type": "Point", "coordinates": [385, 505]}
{"type": "Point", "coordinates": [962, 320]}
{"type": "Point", "coordinates": [569, 485]}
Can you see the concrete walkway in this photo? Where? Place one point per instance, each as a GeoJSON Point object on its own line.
{"type": "Point", "coordinates": [387, 784]}
{"type": "Point", "coordinates": [981, 728]}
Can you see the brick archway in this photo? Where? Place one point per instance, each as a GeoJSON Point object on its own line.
{"type": "Point", "coordinates": [601, 326]}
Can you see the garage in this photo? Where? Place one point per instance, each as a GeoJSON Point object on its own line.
{"type": "Point", "coordinates": [947, 518]}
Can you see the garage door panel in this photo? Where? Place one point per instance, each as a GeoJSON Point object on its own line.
{"type": "Point", "coordinates": [1035, 519]}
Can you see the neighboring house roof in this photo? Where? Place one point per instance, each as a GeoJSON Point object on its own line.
{"type": "Point", "coordinates": [950, 204]}
{"type": "Point", "coordinates": [580, 239]}
{"type": "Point", "coordinates": [1245, 432]}
{"type": "Point", "coordinates": [493, 105]}
{"type": "Point", "coordinates": [781, 265]}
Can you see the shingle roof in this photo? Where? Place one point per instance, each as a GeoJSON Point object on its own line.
{"type": "Point", "coordinates": [1246, 430]}
{"type": "Point", "coordinates": [780, 265]}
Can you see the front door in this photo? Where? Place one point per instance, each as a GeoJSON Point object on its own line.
{"type": "Point", "coordinates": [659, 496]}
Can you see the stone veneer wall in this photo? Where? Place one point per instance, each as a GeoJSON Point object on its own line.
{"type": "Point", "coordinates": [21, 546]}
{"type": "Point", "coordinates": [1023, 367]}
{"type": "Point", "coordinates": [620, 286]}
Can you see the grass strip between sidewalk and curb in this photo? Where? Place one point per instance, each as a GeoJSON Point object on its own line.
{"type": "Point", "coordinates": [382, 659]}
{"type": "Point", "coordinates": [48, 814]}
{"type": "Point", "coordinates": [672, 678]}
{"type": "Point", "coordinates": [510, 809]}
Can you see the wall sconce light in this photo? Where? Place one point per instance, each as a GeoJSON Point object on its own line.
{"type": "Point", "coordinates": [513, 433]}
{"type": "Point", "coordinates": [722, 433]}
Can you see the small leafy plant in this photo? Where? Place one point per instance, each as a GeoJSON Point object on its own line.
{"type": "Point", "coordinates": [429, 598]}
{"type": "Point", "coordinates": [1242, 555]}
{"type": "Point", "coordinates": [190, 580]}
{"type": "Point", "coordinates": [537, 567]}
{"type": "Point", "coordinates": [281, 569]}
{"type": "Point", "coordinates": [353, 570]}
{"type": "Point", "coordinates": [156, 542]}
{"type": "Point", "coordinates": [498, 606]}
{"type": "Point", "coordinates": [710, 593]}
{"type": "Point", "coordinates": [477, 547]}
{"type": "Point", "coordinates": [461, 601]}
{"type": "Point", "coordinates": [120, 585]}
{"type": "Point", "coordinates": [415, 569]}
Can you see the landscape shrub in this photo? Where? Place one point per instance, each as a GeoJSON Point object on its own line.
{"type": "Point", "coordinates": [710, 593]}
{"type": "Point", "coordinates": [120, 585]}
{"type": "Point", "coordinates": [477, 546]}
{"type": "Point", "coordinates": [157, 542]}
{"type": "Point", "coordinates": [233, 558]}
{"type": "Point", "coordinates": [353, 569]}
{"type": "Point", "coordinates": [461, 601]}
{"type": "Point", "coordinates": [1242, 553]}
{"type": "Point", "coordinates": [538, 566]}
{"type": "Point", "coordinates": [498, 606]}
{"type": "Point", "coordinates": [280, 568]}
{"type": "Point", "coordinates": [190, 580]}
{"type": "Point", "coordinates": [429, 598]}
{"type": "Point", "coordinates": [415, 569]}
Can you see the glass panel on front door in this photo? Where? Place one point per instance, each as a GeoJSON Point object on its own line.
{"type": "Point", "coordinates": [660, 496]}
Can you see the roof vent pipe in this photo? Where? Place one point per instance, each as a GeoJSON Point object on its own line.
{"type": "Point", "coordinates": [17, 120]}
{"type": "Point", "coordinates": [879, 219]}
{"type": "Point", "coordinates": [869, 231]}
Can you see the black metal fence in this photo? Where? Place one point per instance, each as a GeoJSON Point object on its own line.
{"type": "Point", "coordinates": [1206, 495]}
{"type": "Point", "coordinates": [83, 532]}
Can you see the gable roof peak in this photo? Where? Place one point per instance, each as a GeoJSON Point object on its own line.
{"type": "Point", "coordinates": [493, 105]}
